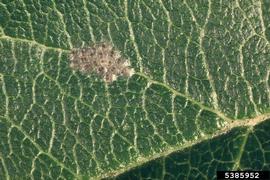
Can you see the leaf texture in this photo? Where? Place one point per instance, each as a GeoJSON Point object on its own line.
{"type": "Point", "coordinates": [201, 82]}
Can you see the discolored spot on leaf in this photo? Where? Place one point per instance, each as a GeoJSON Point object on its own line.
{"type": "Point", "coordinates": [101, 59]}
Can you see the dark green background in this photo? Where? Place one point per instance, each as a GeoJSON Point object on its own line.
{"type": "Point", "coordinates": [200, 65]}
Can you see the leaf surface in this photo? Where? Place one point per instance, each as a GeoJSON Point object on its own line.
{"type": "Point", "coordinates": [201, 82]}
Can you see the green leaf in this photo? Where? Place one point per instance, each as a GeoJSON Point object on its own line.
{"type": "Point", "coordinates": [242, 148]}
{"type": "Point", "coordinates": [198, 102]}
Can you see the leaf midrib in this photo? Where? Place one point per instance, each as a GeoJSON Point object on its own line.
{"type": "Point", "coordinates": [220, 114]}
{"type": "Point", "coordinates": [232, 123]}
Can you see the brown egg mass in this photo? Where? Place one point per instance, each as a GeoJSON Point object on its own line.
{"type": "Point", "coordinates": [102, 59]}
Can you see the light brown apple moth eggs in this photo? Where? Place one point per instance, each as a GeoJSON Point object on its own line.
{"type": "Point", "coordinates": [102, 59]}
